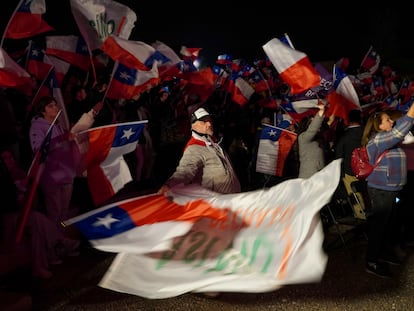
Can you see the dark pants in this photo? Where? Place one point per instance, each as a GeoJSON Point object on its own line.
{"type": "Point", "coordinates": [405, 208]}
{"type": "Point", "coordinates": [381, 219]}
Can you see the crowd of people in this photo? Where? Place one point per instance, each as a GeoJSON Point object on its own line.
{"type": "Point", "coordinates": [211, 142]}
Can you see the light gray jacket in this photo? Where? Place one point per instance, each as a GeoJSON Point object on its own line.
{"type": "Point", "coordinates": [205, 163]}
{"type": "Point", "coordinates": [311, 155]}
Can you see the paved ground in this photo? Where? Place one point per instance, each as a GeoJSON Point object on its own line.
{"type": "Point", "coordinates": [345, 286]}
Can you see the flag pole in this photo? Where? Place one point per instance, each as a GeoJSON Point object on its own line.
{"type": "Point", "coordinates": [110, 81]}
{"type": "Point", "coordinates": [288, 40]}
{"type": "Point", "coordinates": [366, 55]}
{"type": "Point", "coordinates": [38, 90]}
{"type": "Point", "coordinates": [33, 187]}
{"type": "Point", "coordinates": [29, 50]}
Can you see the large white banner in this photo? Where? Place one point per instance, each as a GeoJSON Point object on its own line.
{"type": "Point", "coordinates": [194, 240]}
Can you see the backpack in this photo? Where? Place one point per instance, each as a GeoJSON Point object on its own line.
{"type": "Point", "coordinates": [360, 163]}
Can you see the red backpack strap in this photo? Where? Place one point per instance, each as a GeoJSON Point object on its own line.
{"type": "Point", "coordinates": [380, 157]}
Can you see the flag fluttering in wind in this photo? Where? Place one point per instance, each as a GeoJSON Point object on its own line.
{"type": "Point", "coordinates": [97, 19]}
{"type": "Point", "coordinates": [12, 75]}
{"type": "Point", "coordinates": [406, 90]}
{"type": "Point", "coordinates": [195, 240]}
{"type": "Point", "coordinates": [324, 88]}
{"type": "Point", "coordinates": [71, 49]}
{"type": "Point", "coordinates": [371, 61]}
{"type": "Point", "coordinates": [224, 59]}
{"type": "Point", "coordinates": [342, 84]}
{"type": "Point", "coordinates": [134, 54]}
{"type": "Point", "coordinates": [36, 61]}
{"type": "Point", "coordinates": [27, 20]}
{"type": "Point", "coordinates": [343, 97]}
{"type": "Point", "coordinates": [39, 64]}
{"type": "Point", "coordinates": [107, 171]}
{"type": "Point", "coordinates": [240, 90]}
{"type": "Point", "coordinates": [126, 82]}
{"type": "Point", "coordinates": [60, 67]}
{"type": "Point", "coordinates": [294, 67]}
{"type": "Point", "coordinates": [190, 53]}
{"type": "Point", "coordinates": [259, 82]}
{"type": "Point", "coordinates": [171, 66]}
{"type": "Point", "coordinates": [199, 82]}
{"type": "Point", "coordinates": [274, 146]}
{"type": "Point", "coordinates": [299, 109]}
{"type": "Point", "coordinates": [173, 58]}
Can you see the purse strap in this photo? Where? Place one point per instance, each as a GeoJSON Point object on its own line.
{"type": "Point", "coordinates": [380, 157]}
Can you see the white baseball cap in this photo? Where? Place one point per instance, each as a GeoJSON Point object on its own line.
{"type": "Point", "coordinates": [200, 114]}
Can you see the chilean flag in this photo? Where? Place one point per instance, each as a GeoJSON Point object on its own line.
{"type": "Point", "coordinates": [240, 91]}
{"type": "Point", "coordinates": [127, 82]}
{"type": "Point", "coordinates": [39, 64]}
{"type": "Point", "coordinates": [61, 67]}
{"type": "Point", "coordinates": [169, 67]}
{"type": "Point", "coordinates": [107, 171]}
{"type": "Point", "coordinates": [12, 75]}
{"type": "Point", "coordinates": [134, 54]}
{"type": "Point", "coordinates": [107, 226]}
{"type": "Point", "coordinates": [27, 20]}
{"type": "Point", "coordinates": [299, 109]}
{"type": "Point", "coordinates": [274, 146]}
{"type": "Point", "coordinates": [224, 59]}
{"type": "Point", "coordinates": [259, 82]}
{"type": "Point", "coordinates": [71, 49]}
{"type": "Point", "coordinates": [190, 53]}
{"type": "Point", "coordinates": [293, 66]}
{"type": "Point", "coordinates": [371, 61]}
{"type": "Point", "coordinates": [343, 85]}
{"type": "Point", "coordinates": [343, 97]}
{"type": "Point", "coordinates": [36, 62]}
{"type": "Point", "coordinates": [199, 82]}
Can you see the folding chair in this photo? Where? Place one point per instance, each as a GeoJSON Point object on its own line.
{"type": "Point", "coordinates": [349, 217]}
{"type": "Point", "coordinates": [356, 198]}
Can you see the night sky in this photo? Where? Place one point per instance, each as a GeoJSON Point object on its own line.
{"type": "Point", "coordinates": [240, 29]}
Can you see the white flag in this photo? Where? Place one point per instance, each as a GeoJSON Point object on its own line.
{"type": "Point", "coordinates": [97, 19]}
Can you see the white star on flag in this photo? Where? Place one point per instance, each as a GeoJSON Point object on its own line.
{"type": "Point", "coordinates": [272, 132]}
{"type": "Point", "coordinates": [128, 133]}
{"type": "Point", "coordinates": [125, 76]}
{"type": "Point", "coordinates": [106, 221]}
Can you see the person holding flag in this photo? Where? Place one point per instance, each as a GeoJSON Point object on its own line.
{"type": "Point", "coordinates": [60, 168]}
{"type": "Point", "coordinates": [311, 155]}
{"type": "Point", "coordinates": [204, 162]}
